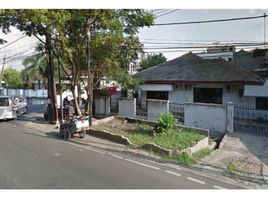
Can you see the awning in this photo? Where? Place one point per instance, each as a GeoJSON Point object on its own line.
{"type": "Point", "coordinates": [156, 87]}
{"type": "Point", "coordinates": [256, 90]}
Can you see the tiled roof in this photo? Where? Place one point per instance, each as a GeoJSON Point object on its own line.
{"type": "Point", "coordinates": [192, 68]}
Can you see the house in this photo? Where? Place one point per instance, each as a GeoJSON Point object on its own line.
{"type": "Point", "coordinates": [190, 78]}
{"type": "Point", "coordinates": [225, 52]}
{"type": "Point", "coordinates": [257, 62]}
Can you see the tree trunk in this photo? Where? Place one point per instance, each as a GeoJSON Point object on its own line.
{"type": "Point", "coordinates": [90, 97]}
{"type": "Point", "coordinates": [52, 104]}
{"type": "Point", "coordinates": [74, 91]}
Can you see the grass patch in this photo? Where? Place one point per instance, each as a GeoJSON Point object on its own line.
{"type": "Point", "coordinates": [143, 133]}
{"type": "Point", "coordinates": [173, 139]}
{"type": "Point", "coordinates": [232, 171]}
{"type": "Point", "coordinates": [187, 160]}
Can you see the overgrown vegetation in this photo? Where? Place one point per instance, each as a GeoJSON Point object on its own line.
{"type": "Point", "coordinates": [173, 138]}
{"type": "Point", "coordinates": [165, 123]}
{"type": "Point", "coordinates": [232, 171]}
{"type": "Point", "coordinates": [140, 134]}
{"type": "Point", "coordinates": [187, 160]}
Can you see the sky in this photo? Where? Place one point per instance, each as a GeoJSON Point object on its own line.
{"type": "Point", "coordinates": [234, 31]}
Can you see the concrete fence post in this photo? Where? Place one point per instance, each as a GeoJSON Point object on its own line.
{"type": "Point", "coordinates": [230, 117]}
{"type": "Point", "coordinates": [155, 107]}
{"type": "Point", "coordinates": [127, 107]}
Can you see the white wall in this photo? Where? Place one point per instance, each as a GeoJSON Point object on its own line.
{"type": "Point", "coordinates": [208, 116]}
{"type": "Point", "coordinates": [155, 107]}
{"type": "Point", "coordinates": [127, 107]}
{"type": "Point", "coordinates": [233, 96]}
{"type": "Point", "coordinates": [183, 96]}
{"type": "Point", "coordinates": [102, 105]}
{"type": "Point", "coordinates": [257, 90]}
{"type": "Point", "coordinates": [156, 87]}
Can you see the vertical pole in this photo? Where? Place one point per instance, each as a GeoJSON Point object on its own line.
{"type": "Point", "coordinates": [61, 103]}
{"type": "Point", "coordinates": [89, 86]}
{"type": "Point", "coordinates": [264, 29]}
{"type": "Point", "coordinates": [230, 117]}
{"type": "Point", "coordinates": [2, 74]}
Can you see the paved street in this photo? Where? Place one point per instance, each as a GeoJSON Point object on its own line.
{"type": "Point", "coordinates": [30, 159]}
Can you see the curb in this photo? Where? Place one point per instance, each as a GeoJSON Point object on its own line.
{"type": "Point", "coordinates": [110, 136]}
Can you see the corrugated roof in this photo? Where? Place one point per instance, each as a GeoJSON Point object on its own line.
{"type": "Point", "coordinates": [192, 68]}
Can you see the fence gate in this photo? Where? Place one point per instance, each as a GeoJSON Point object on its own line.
{"type": "Point", "coordinates": [250, 120]}
{"type": "Point", "coordinates": [142, 109]}
{"type": "Point", "coordinates": [114, 102]}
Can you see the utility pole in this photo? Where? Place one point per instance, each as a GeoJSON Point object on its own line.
{"type": "Point", "coordinates": [264, 29]}
{"type": "Point", "coordinates": [2, 73]}
{"type": "Point", "coordinates": [89, 83]}
{"type": "Point", "coordinates": [61, 103]}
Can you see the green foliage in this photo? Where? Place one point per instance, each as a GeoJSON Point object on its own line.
{"type": "Point", "coordinates": [68, 29]}
{"type": "Point", "coordinates": [174, 139]}
{"type": "Point", "coordinates": [153, 60]}
{"type": "Point", "coordinates": [165, 123]}
{"type": "Point", "coordinates": [13, 78]}
{"type": "Point", "coordinates": [188, 160]}
{"type": "Point", "coordinates": [232, 171]}
{"type": "Point", "coordinates": [35, 69]}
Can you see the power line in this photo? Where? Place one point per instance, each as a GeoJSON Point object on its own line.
{"type": "Point", "coordinates": [161, 15]}
{"type": "Point", "coordinates": [219, 40]}
{"type": "Point", "coordinates": [207, 43]}
{"type": "Point", "coordinates": [209, 21]}
{"type": "Point", "coordinates": [161, 11]}
{"type": "Point", "coordinates": [19, 58]}
{"type": "Point", "coordinates": [21, 52]}
{"type": "Point", "coordinates": [13, 42]}
{"type": "Point", "coordinates": [198, 47]}
{"type": "Point", "coordinates": [21, 47]}
{"type": "Point", "coordinates": [186, 50]}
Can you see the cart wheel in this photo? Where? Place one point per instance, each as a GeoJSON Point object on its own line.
{"type": "Point", "coordinates": [82, 134]}
{"type": "Point", "coordinates": [66, 135]}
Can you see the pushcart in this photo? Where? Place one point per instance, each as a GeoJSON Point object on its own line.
{"type": "Point", "coordinates": [75, 125]}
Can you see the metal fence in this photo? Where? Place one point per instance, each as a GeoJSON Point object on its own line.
{"type": "Point", "coordinates": [177, 110]}
{"type": "Point", "coordinates": [142, 109]}
{"type": "Point", "coordinates": [114, 102]}
{"type": "Point", "coordinates": [114, 106]}
{"type": "Point", "coordinates": [250, 120]}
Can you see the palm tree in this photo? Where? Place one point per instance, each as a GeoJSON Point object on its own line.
{"type": "Point", "coordinates": [35, 69]}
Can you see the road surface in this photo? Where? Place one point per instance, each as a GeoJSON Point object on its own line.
{"type": "Point", "coordinates": [30, 159]}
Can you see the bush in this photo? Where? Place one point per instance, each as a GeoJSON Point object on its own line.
{"type": "Point", "coordinates": [166, 122]}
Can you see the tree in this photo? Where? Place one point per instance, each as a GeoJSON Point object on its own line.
{"type": "Point", "coordinates": [153, 60]}
{"type": "Point", "coordinates": [35, 69]}
{"type": "Point", "coordinates": [108, 29]}
{"type": "Point", "coordinates": [12, 78]}
{"type": "Point", "coordinates": [84, 41]}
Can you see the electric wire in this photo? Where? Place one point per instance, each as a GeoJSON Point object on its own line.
{"type": "Point", "coordinates": [210, 21]}
{"type": "Point", "coordinates": [164, 14]}
{"type": "Point", "coordinates": [13, 42]}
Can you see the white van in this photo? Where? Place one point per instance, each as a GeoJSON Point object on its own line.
{"type": "Point", "coordinates": [12, 107]}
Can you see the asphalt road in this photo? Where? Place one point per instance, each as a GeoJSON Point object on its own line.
{"type": "Point", "coordinates": [31, 160]}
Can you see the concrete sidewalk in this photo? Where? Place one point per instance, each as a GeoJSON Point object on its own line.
{"type": "Point", "coordinates": [246, 155]}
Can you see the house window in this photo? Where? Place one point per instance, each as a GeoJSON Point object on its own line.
{"type": "Point", "coordinates": [157, 95]}
{"type": "Point", "coordinates": [208, 95]}
{"type": "Point", "coordinates": [262, 103]}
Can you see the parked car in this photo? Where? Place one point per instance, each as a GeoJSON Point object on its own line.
{"type": "Point", "coordinates": [12, 107]}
